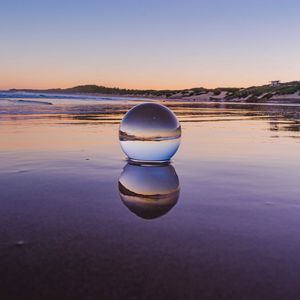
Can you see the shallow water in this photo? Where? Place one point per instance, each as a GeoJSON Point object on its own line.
{"type": "Point", "coordinates": [227, 227]}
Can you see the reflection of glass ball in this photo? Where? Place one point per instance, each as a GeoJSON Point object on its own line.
{"type": "Point", "coordinates": [150, 132]}
{"type": "Point", "coordinates": [149, 191]}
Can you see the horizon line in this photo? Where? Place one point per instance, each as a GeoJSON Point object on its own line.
{"type": "Point", "coordinates": [141, 89]}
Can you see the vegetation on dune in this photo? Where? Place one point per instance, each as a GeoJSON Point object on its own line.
{"type": "Point", "coordinates": [266, 91]}
{"type": "Point", "coordinates": [95, 89]}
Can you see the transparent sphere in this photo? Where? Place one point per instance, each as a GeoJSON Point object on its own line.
{"type": "Point", "coordinates": [150, 132]}
{"type": "Point", "coordinates": [149, 191]}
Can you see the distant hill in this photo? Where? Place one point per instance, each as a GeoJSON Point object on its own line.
{"type": "Point", "coordinates": [266, 92]}
{"type": "Point", "coordinates": [95, 89]}
{"type": "Point", "coordinates": [282, 91]}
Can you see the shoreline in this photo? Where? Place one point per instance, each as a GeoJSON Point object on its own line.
{"type": "Point", "coordinates": [283, 99]}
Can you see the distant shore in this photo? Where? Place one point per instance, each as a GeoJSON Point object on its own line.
{"type": "Point", "coordinates": [288, 92]}
{"type": "Point", "coordinates": [284, 99]}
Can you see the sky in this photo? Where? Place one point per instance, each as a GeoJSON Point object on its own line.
{"type": "Point", "coordinates": [142, 44]}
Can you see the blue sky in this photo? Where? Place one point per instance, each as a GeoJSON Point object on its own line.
{"type": "Point", "coordinates": [148, 44]}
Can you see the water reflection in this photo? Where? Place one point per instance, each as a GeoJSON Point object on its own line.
{"type": "Point", "coordinates": [285, 125]}
{"type": "Point", "coordinates": [149, 191]}
{"type": "Point", "coordinates": [279, 118]}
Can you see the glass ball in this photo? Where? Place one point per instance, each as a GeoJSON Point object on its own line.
{"type": "Point", "coordinates": [150, 132]}
{"type": "Point", "coordinates": [149, 191]}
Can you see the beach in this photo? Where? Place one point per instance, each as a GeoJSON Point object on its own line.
{"type": "Point", "coordinates": [228, 222]}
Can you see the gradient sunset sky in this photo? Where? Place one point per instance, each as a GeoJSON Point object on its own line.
{"type": "Point", "coordinates": [148, 44]}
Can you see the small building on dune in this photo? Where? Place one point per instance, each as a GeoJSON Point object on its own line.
{"type": "Point", "coordinates": [275, 82]}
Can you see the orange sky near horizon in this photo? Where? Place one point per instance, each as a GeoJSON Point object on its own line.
{"type": "Point", "coordinates": [137, 44]}
{"type": "Point", "coordinates": [53, 80]}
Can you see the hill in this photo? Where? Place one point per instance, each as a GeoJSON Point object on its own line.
{"type": "Point", "coordinates": [288, 91]}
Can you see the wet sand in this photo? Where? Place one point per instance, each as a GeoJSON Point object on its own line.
{"type": "Point", "coordinates": [232, 232]}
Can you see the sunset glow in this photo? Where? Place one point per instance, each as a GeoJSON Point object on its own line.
{"type": "Point", "coordinates": [148, 44]}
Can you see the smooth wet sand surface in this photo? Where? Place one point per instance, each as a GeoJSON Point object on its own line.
{"type": "Point", "coordinates": [233, 233]}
